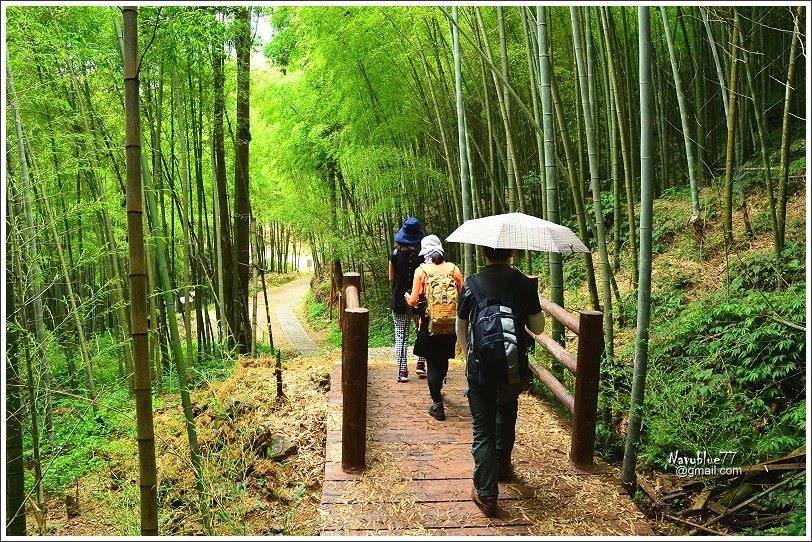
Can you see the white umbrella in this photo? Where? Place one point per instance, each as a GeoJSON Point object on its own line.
{"type": "Point", "coordinates": [518, 231]}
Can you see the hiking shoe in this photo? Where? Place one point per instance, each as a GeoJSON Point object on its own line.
{"type": "Point", "coordinates": [421, 369]}
{"type": "Point", "coordinates": [488, 506]}
{"type": "Point", "coordinates": [437, 411]}
{"type": "Point", "coordinates": [403, 378]}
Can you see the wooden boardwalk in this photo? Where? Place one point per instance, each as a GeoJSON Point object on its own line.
{"type": "Point", "coordinates": [418, 475]}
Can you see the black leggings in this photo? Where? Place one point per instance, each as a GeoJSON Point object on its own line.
{"type": "Point", "coordinates": [437, 369]}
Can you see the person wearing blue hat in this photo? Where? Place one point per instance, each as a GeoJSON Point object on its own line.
{"type": "Point", "coordinates": [402, 264]}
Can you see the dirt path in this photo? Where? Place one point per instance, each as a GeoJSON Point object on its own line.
{"type": "Point", "coordinates": [288, 322]}
{"type": "Point", "coordinates": [294, 333]}
{"type": "Point", "coordinates": [291, 333]}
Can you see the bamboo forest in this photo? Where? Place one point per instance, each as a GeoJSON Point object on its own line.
{"type": "Point", "coordinates": [214, 213]}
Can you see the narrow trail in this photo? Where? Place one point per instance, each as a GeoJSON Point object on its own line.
{"type": "Point", "coordinates": [285, 301]}
{"type": "Point", "coordinates": [418, 475]}
{"type": "Point", "coordinates": [295, 334]}
{"type": "Point", "coordinates": [419, 470]}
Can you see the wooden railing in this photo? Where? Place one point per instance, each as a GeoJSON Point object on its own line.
{"type": "Point", "coordinates": [354, 324]}
{"type": "Point", "coordinates": [588, 326]}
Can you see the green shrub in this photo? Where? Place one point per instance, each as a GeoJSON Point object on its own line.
{"type": "Point", "coordinates": [727, 374]}
{"type": "Point", "coordinates": [278, 279]}
{"type": "Point", "coordinates": [382, 331]}
{"type": "Point", "coordinates": [318, 316]}
{"type": "Point", "coordinates": [83, 443]}
{"type": "Point", "coordinates": [793, 500]}
{"type": "Point", "coordinates": [574, 272]}
{"type": "Point", "coordinates": [762, 270]}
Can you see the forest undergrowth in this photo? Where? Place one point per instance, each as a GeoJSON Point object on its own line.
{"type": "Point", "coordinates": [727, 348]}
{"type": "Point", "coordinates": [263, 459]}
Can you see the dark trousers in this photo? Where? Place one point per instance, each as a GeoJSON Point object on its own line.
{"type": "Point", "coordinates": [493, 420]}
{"type": "Point", "coordinates": [437, 371]}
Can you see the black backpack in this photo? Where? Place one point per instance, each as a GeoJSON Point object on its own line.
{"type": "Point", "coordinates": [497, 337]}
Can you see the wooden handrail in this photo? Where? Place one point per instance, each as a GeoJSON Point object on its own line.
{"type": "Point", "coordinates": [556, 387]}
{"type": "Point", "coordinates": [560, 314]}
{"type": "Point", "coordinates": [583, 404]}
{"type": "Point", "coordinates": [556, 350]}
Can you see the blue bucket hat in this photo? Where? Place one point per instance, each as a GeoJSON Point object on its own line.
{"type": "Point", "coordinates": [410, 233]}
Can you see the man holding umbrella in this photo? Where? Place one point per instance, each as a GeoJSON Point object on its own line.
{"type": "Point", "coordinates": [495, 306]}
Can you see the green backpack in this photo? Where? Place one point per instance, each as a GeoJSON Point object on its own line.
{"type": "Point", "coordinates": [441, 301]}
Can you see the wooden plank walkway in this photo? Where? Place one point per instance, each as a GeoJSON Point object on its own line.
{"type": "Point", "coordinates": [418, 475]}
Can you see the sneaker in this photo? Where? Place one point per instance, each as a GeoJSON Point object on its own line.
{"type": "Point", "coordinates": [403, 378]}
{"type": "Point", "coordinates": [437, 411]}
{"type": "Point", "coordinates": [421, 369]}
{"type": "Point", "coordinates": [488, 506]}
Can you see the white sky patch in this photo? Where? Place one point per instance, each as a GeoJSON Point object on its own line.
{"type": "Point", "coordinates": [263, 30]}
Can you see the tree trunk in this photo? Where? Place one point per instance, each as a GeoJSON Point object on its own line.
{"type": "Point", "coordinates": [580, 210]}
{"type": "Point", "coordinates": [217, 254]}
{"type": "Point", "coordinates": [261, 247]}
{"type": "Point", "coordinates": [715, 54]}
{"type": "Point", "coordinates": [624, 143]}
{"type": "Point", "coordinates": [225, 261]}
{"type": "Point", "coordinates": [24, 323]}
{"type": "Point", "coordinates": [731, 136]}
{"type": "Point", "coordinates": [763, 139]}
{"type": "Point", "coordinates": [34, 271]}
{"type": "Point", "coordinates": [15, 471]}
{"type": "Point", "coordinates": [41, 510]}
{"type": "Point", "coordinates": [686, 126]}
{"type": "Point", "coordinates": [468, 263]}
{"type": "Point", "coordinates": [256, 291]}
{"type": "Point", "coordinates": [596, 189]}
{"type": "Point", "coordinates": [155, 344]}
{"type": "Point", "coordinates": [148, 476]}
{"type": "Point", "coordinates": [440, 125]}
{"type": "Point", "coordinates": [785, 142]}
{"type": "Point", "coordinates": [628, 475]}
{"type": "Point", "coordinates": [511, 165]}
{"type": "Point", "coordinates": [185, 183]}
{"type": "Point", "coordinates": [97, 188]}
{"type": "Point", "coordinates": [545, 73]}
{"type": "Point", "coordinates": [614, 159]}
{"type": "Point", "coordinates": [74, 310]}
{"type": "Point", "coordinates": [177, 350]}
{"type": "Point", "coordinates": [242, 209]}
{"type": "Point", "coordinates": [699, 100]}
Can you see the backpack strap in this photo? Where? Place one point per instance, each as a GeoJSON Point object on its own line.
{"type": "Point", "coordinates": [476, 289]}
{"type": "Point", "coordinates": [479, 293]}
{"type": "Point", "coordinates": [428, 273]}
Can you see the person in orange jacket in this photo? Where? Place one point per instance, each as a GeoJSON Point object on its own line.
{"type": "Point", "coordinates": [437, 349]}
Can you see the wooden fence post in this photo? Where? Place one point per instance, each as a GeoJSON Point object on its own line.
{"type": "Point", "coordinates": [352, 282]}
{"type": "Point", "coordinates": [590, 348]}
{"type": "Point", "coordinates": [354, 358]}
